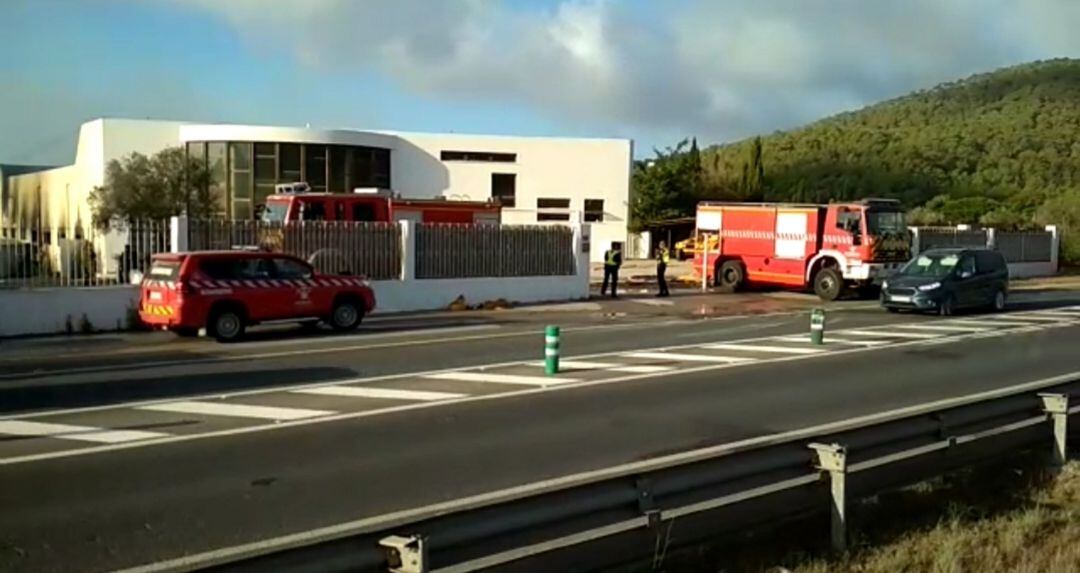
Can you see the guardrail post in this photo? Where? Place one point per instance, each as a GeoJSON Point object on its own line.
{"type": "Point", "coordinates": [1056, 407]}
{"type": "Point", "coordinates": [833, 459]}
{"type": "Point", "coordinates": [405, 554]}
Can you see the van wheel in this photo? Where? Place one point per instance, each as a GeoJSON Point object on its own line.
{"type": "Point", "coordinates": [828, 284]}
{"type": "Point", "coordinates": [730, 276]}
{"type": "Point", "coordinates": [346, 315]}
{"type": "Point", "coordinates": [998, 303]}
{"type": "Point", "coordinates": [226, 325]}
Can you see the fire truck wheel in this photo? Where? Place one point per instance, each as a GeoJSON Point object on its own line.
{"type": "Point", "coordinates": [346, 315]}
{"type": "Point", "coordinates": [226, 324]}
{"type": "Point", "coordinates": [828, 284]}
{"type": "Point", "coordinates": [729, 278]}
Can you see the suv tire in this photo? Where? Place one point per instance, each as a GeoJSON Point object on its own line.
{"type": "Point", "coordinates": [226, 325]}
{"type": "Point", "coordinates": [346, 315]}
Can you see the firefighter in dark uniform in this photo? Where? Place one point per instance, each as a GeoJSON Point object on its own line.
{"type": "Point", "coordinates": [662, 258]}
{"type": "Point", "coordinates": [612, 262]}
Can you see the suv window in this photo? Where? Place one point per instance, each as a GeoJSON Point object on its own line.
{"type": "Point", "coordinates": [313, 211]}
{"type": "Point", "coordinates": [236, 268]}
{"type": "Point", "coordinates": [289, 269]}
{"type": "Point", "coordinates": [966, 265]}
{"type": "Point", "coordinates": [989, 262]}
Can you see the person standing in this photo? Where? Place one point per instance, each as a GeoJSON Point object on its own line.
{"type": "Point", "coordinates": [612, 262]}
{"type": "Point", "coordinates": [662, 258]}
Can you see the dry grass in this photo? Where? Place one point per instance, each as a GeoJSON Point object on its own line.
{"type": "Point", "coordinates": [1039, 534]}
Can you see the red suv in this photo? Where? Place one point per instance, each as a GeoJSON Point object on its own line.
{"type": "Point", "coordinates": [227, 291]}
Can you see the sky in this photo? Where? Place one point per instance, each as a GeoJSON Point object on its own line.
{"type": "Point", "coordinates": [655, 71]}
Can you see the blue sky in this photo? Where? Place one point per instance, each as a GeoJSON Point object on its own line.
{"type": "Point", "coordinates": [651, 71]}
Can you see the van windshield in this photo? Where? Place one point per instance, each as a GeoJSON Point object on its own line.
{"type": "Point", "coordinates": [936, 265]}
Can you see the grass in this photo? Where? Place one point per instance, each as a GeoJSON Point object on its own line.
{"type": "Point", "coordinates": [1040, 534]}
{"type": "Point", "coordinates": [1024, 521]}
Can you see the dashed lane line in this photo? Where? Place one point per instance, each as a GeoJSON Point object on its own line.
{"type": "Point", "coordinates": [501, 378]}
{"type": "Point", "coordinates": [681, 357]}
{"type": "Point", "coordinates": [378, 393]}
{"type": "Point", "coordinates": [764, 348]}
{"type": "Point", "coordinates": [236, 410]}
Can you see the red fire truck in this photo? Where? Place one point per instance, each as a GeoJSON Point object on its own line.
{"type": "Point", "coordinates": [295, 202]}
{"type": "Point", "coordinates": [823, 247]}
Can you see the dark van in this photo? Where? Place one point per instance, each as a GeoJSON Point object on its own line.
{"type": "Point", "coordinates": [944, 280]}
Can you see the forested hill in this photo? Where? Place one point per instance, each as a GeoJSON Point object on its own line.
{"type": "Point", "coordinates": [994, 146]}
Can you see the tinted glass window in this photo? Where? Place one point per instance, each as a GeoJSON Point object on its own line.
{"type": "Point", "coordinates": [967, 264]}
{"type": "Point", "coordinates": [989, 261]}
{"type": "Point", "coordinates": [289, 269]}
{"type": "Point", "coordinates": [363, 212]}
{"type": "Point", "coordinates": [313, 211]}
{"type": "Point", "coordinates": [236, 268]}
{"type": "Point", "coordinates": [164, 270]}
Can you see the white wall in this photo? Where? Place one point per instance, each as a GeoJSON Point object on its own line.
{"type": "Point", "coordinates": [45, 311]}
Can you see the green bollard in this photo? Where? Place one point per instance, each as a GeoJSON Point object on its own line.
{"type": "Point", "coordinates": [551, 350]}
{"type": "Point", "coordinates": [817, 326]}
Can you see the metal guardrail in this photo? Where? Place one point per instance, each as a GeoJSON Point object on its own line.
{"type": "Point", "coordinates": [582, 521]}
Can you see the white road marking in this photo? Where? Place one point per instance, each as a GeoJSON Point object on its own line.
{"type": "Point", "coordinates": [70, 432]}
{"type": "Point", "coordinates": [1055, 313]}
{"type": "Point", "coordinates": [396, 409]}
{"type": "Point", "coordinates": [642, 369]}
{"type": "Point", "coordinates": [385, 393]}
{"type": "Point", "coordinates": [677, 357]}
{"type": "Point", "coordinates": [580, 365]}
{"type": "Point", "coordinates": [1026, 317]}
{"type": "Point", "coordinates": [764, 348]}
{"type": "Point", "coordinates": [652, 302]}
{"type": "Point", "coordinates": [805, 339]}
{"type": "Point", "coordinates": [985, 322]}
{"type": "Point", "coordinates": [501, 378]}
{"type": "Point", "coordinates": [942, 327]}
{"type": "Point", "coordinates": [874, 333]}
{"type": "Point", "coordinates": [236, 410]}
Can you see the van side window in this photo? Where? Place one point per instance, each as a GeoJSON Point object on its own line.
{"type": "Point", "coordinates": [967, 264]}
{"type": "Point", "coordinates": [988, 262]}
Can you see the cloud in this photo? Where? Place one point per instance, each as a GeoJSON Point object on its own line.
{"type": "Point", "coordinates": [718, 69]}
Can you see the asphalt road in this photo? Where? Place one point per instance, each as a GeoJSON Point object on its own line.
{"type": "Point", "coordinates": [197, 447]}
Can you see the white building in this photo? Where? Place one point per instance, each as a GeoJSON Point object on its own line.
{"type": "Point", "coordinates": [537, 179]}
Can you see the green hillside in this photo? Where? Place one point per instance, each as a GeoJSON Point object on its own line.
{"type": "Point", "coordinates": [998, 148]}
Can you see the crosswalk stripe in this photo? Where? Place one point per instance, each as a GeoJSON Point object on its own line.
{"type": "Point", "coordinates": [384, 393]}
{"type": "Point", "coordinates": [580, 365]}
{"type": "Point", "coordinates": [942, 327]}
{"type": "Point", "coordinates": [764, 348]}
{"type": "Point", "coordinates": [874, 333]}
{"type": "Point", "coordinates": [832, 340]}
{"type": "Point", "coordinates": [236, 410]}
{"type": "Point", "coordinates": [1026, 317]}
{"type": "Point", "coordinates": [676, 357]}
{"type": "Point", "coordinates": [71, 432]}
{"type": "Point", "coordinates": [985, 322]}
{"type": "Point", "coordinates": [501, 378]}
{"type": "Point", "coordinates": [642, 369]}
{"type": "Point", "coordinates": [1055, 314]}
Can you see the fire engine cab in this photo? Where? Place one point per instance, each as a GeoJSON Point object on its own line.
{"type": "Point", "coordinates": [824, 247]}
{"type": "Point", "coordinates": [296, 202]}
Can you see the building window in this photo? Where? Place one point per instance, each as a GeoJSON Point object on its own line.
{"type": "Point", "coordinates": [485, 156]}
{"type": "Point", "coordinates": [552, 203]}
{"type": "Point", "coordinates": [553, 216]}
{"type": "Point", "coordinates": [217, 162]}
{"type": "Point", "coordinates": [382, 168]}
{"type": "Point", "coordinates": [594, 210]}
{"type": "Point", "coordinates": [337, 182]}
{"type": "Point", "coordinates": [503, 188]}
{"type": "Point", "coordinates": [266, 170]}
{"type": "Point", "coordinates": [315, 167]}
{"type": "Point", "coordinates": [289, 163]}
{"type": "Point", "coordinates": [240, 181]}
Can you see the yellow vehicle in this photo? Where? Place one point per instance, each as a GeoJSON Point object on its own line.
{"type": "Point", "coordinates": [687, 248]}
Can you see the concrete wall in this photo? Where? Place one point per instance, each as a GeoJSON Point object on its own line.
{"type": "Point", "coordinates": [45, 311]}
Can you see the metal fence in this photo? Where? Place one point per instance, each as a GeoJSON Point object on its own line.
{"type": "Point", "coordinates": [1025, 246]}
{"type": "Point", "coordinates": [371, 249]}
{"type": "Point", "coordinates": [79, 256]}
{"type": "Point", "coordinates": [931, 238]}
{"type": "Point", "coordinates": [465, 251]}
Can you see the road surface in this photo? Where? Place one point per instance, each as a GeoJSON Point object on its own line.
{"type": "Point", "coordinates": [142, 450]}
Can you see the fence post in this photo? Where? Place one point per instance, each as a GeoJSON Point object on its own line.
{"type": "Point", "coordinates": [1055, 242]}
{"type": "Point", "coordinates": [178, 234]}
{"type": "Point", "coordinates": [408, 251]}
{"type": "Point", "coordinates": [833, 459]}
{"type": "Point", "coordinates": [915, 247]}
{"type": "Point", "coordinates": [991, 239]}
{"type": "Point", "coordinates": [1056, 407]}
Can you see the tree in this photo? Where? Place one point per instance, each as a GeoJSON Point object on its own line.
{"type": "Point", "coordinates": [752, 181]}
{"type": "Point", "coordinates": [665, 187]}
{"type": "Point", "coordinates": [139, 187]}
